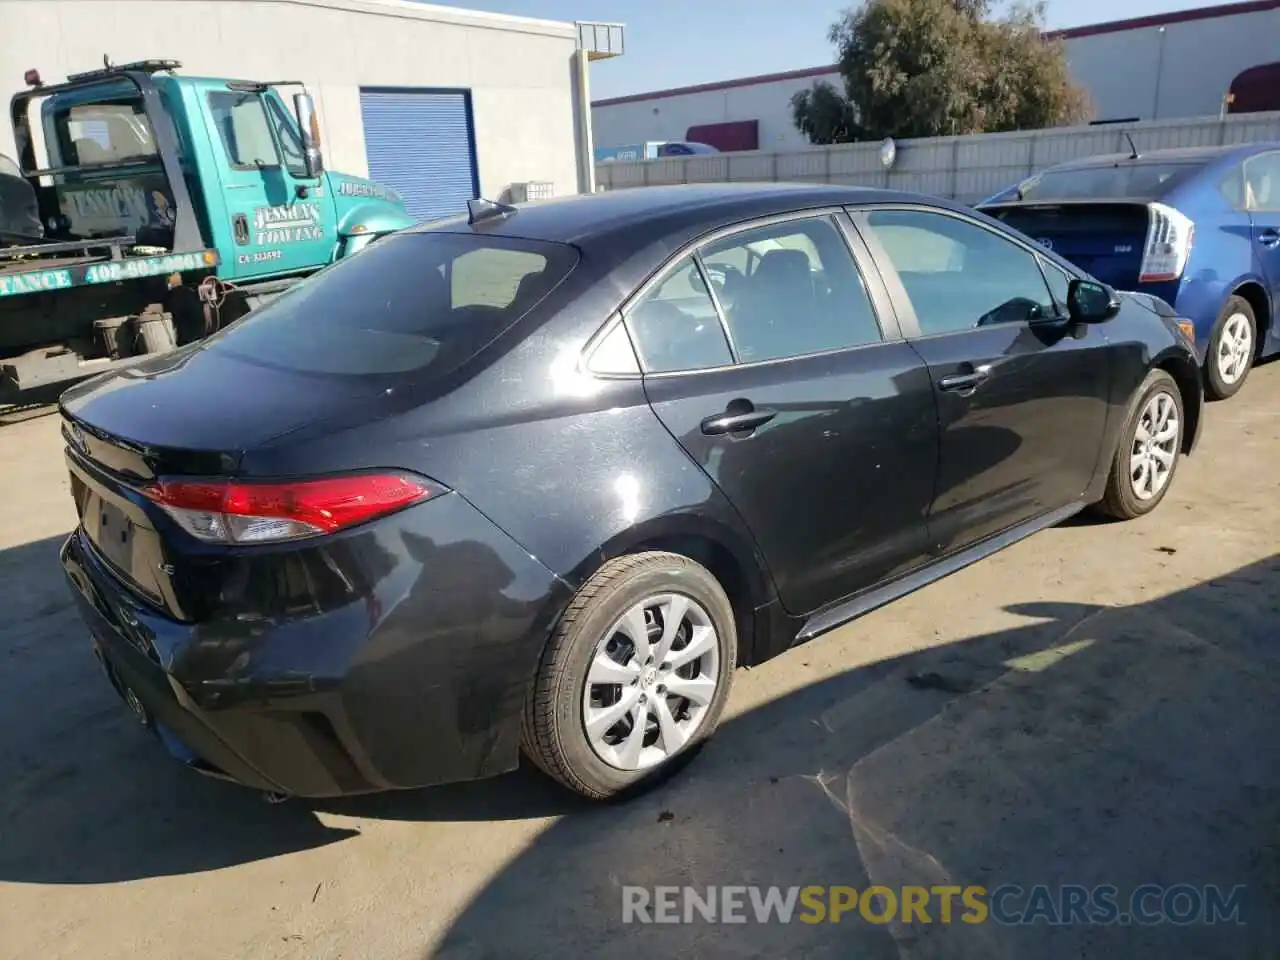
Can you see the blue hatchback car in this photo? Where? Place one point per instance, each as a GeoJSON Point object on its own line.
{"type": "Point", "coordinates": [1198, 227]}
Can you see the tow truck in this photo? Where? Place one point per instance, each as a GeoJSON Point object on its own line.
{"type": "Point", "coordinates": [146, 210]}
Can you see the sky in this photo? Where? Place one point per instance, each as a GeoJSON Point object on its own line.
{"type": "Point", "coordinates": [673, 43]}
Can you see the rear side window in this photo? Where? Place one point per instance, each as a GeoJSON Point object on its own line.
{"type": "Point", "coordinates": [800, 294]}
{"type": "Point", "coordinates": [412, 303]}
{"type": "Point", "coordinates": [1262, 181]}
{"type": "Point", "coordinates": [675, 325]}
{"type": "Point", "coordinates": [1125, 181]}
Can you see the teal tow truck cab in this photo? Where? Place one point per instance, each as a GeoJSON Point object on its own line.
{"type": "Point", "coordinates": [166, 207]}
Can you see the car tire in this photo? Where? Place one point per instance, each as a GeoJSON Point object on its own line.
{"type": "Point", "coordinates": [1133, 489]}
{"type": "Point", "coordinates": [568, 728]}
{"type": "Point", "coordinates": [1231, 351]}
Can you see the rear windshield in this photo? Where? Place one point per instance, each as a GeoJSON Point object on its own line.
{"type": "Point", "coordinates": [409, 302]}
{"type": "Point", "coordinates": [1128, 181]}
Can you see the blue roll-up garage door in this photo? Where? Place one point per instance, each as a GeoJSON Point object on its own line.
{"type": "Point", "coordinates": [420, 143]}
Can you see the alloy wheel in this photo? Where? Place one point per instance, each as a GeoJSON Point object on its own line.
{"type": "Point", "coordinates": [651, 681]}
{"type": "Point", "coordinates": [1235, 348]}
{"type": "Point", "coordinates": [1155, 446]}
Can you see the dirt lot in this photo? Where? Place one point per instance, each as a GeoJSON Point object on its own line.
{"type": "Point", "coordinates": [1106, 715]}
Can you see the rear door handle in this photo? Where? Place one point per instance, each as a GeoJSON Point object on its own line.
{"type": "Point", "coordinates": [966, 381]}
{"type": "Point", "coordinates": [1269, 237]}
{"type": "Point", "coordinates": [727, 422]}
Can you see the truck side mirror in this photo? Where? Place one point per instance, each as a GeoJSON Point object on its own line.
{"type": "Point", "coordinates": [304, 109]}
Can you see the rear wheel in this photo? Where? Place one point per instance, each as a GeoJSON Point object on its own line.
{"type": "Point", "coordinates": [635, 676]}
{"type": "Point", "coordinates": [1231, 349]}
{"type": "Point", "coordinates": [1147, 455]}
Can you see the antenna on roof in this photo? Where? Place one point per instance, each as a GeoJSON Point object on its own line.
{"type": "Point", "coordinates": [1134, 150]}
{"type": "Point", "coordinates": [481, 209]}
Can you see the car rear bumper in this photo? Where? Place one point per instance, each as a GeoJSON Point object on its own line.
{"type": "Point", "coordinates": [418, 683]}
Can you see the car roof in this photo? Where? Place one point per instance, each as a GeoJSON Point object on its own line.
{"type": "Point", "coordinates": [1170, 155]}
{"type": "Point", "coordinates": [637, 217]}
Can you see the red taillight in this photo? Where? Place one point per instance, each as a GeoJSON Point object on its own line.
{"type": "Point", "coordinates": [246, 512]}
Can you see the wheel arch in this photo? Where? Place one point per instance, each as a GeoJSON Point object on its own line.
{"type": "Point", "coordinates": [731, 557]}
{"type": "Point", "coordinates": [1186, 375]}
{"type": "Point", "coordinates": [1254, 293]}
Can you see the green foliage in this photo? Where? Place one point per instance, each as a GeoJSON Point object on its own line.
{"type": "Point", "coordinates": [823, 115]}
{"type": "Point", "coordinates": [926, 68]}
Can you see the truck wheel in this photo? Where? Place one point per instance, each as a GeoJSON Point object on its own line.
{"type": "Point", "coordinates": [1232, 346]}
{"type": "Point", "coordinates": [634, 678]}
{"type": "Point", "coordinates": [1147, 455]}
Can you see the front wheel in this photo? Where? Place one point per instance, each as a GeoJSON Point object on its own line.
{"type": "Point", "coordinates": [634, 678]}
{"type": "Point", "coordinates": [1147, 455]}
{"type": "Point", "coordinates": [1231, 349]}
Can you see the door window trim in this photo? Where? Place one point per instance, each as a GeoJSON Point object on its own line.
{"type": "Point", "coordinates": [878, 296]}
{"type": "Point", "coordinates": [859, 217]}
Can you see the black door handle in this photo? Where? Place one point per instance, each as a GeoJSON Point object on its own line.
{"type": "Point", "coordinates": [730, 422]}
{"type": "Point", "coordinates": [1269, 237]}
{"type": "Point", "coordinates": [966, 381]}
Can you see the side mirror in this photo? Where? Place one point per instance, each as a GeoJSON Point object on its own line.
{"type": "Point", "coordinates": [304, 109]}
{"type": "Point", "coordinates": [1091, 302]}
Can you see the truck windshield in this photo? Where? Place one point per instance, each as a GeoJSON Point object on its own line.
{"type": "Point", "coordinates": [410, 303]}
{"type": "Point", "coordinates": [1125, 181]}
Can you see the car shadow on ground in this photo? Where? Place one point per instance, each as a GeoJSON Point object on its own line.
{"type": "Point", "coordinates": [1089, 745]}
{"type": "Point", "coordinates": [1123, 746]}
{"type": "Point", "coordinates": [88, 796]}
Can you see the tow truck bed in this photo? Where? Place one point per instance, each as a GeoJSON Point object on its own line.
{"type": "Point", "coordinates": [25, 266]}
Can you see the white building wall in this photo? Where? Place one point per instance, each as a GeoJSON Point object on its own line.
{"type": "Point", "coordinates": [667, 118]}
{"type": "Point", "coordinates": [519, 71]}
{"type": "Point", "coordinates": [1180, 70]}
{"type": "Point", "coordinates": [1172, 71]}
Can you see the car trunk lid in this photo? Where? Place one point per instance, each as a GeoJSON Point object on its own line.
{"type": "Point", "coordinates": [1105, 239]}
{"type": "Point", "coordinates": [191, 414]}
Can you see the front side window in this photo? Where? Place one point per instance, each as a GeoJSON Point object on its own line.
{"type": "Point", "coordinates": [675, 326]}
{"type": "Point", "coordinates": [791, 289]}
{"type": "Point", "coordinates": [242, 124]}
{"type": "Point", "coordinates": [959, 275]}
{"type": "Point", "coordinates": [1059, 283]}
{"type": "Point", "coordinates": [106, 133]}
{"type": "Point", "coordinates": [1262, 182]}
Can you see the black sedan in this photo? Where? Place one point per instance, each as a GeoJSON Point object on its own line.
{"type": "Point", "coordinates": [538, 479]}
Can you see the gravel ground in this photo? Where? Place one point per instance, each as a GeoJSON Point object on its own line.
{"type": "Point", "coordinates": [1101, 710]}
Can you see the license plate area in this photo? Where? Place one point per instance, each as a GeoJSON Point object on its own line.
{"type": "Point", "coordinates": [109, 529]}
{"type": "Point", "coordinates": [119, 533]}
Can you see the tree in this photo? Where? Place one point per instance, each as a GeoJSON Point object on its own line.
{"type": "Point", "coordinates": [926, 68]}
{"type": "Point", "coordinates": [823, 115]}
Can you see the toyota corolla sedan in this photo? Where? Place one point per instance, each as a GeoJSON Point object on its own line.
{"type": "Point", "coordinates": [536, 480]}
